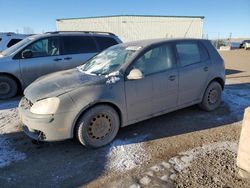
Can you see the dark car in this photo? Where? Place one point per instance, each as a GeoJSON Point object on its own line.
{"type": "Point", "coordinates": [122, 85]}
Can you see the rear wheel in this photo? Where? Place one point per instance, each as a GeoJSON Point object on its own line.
{"type": "Point", "coordinates": [98, 126]}
{"type": "Point", "coordinates": [212, 97]}
{"type": "Point", "coordinates": [8, 87]}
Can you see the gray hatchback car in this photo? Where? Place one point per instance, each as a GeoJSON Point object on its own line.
{"type": "Point", "coordinates": [120, 86]}
{"type": "Point", "coordinates": [38, 55]}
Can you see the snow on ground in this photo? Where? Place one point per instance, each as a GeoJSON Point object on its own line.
{"type": "Point", "coordinates": [7, 153]}
{"type": "Point", "coordinates": [9, 123]}
{"type": "Point", "coordinates": [185, 159]}
{"type": "Point", "coordinates": [237, 99]}
{"type": "Point", "coordinates": [125, 155]}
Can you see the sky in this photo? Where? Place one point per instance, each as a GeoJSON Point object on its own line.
{"type": "Point", "coordinates": [222, 17]}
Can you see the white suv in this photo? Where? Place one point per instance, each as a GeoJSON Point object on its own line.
{"type": "Point", "coordinates": [42, 54]}
{"type": "Point", "coordinates": [9, 39]}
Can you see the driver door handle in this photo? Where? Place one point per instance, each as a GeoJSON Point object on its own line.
{"type": "Point", "coordinates": [67, 58]}
{"type": "Point", "coordinates": [57, 59]}
{"type": "Point", "coordinates": [205, 69]}
{"type": "Point", "coordinates": [172, 77]}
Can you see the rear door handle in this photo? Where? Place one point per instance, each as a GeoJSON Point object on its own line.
{"type": "Point", "coordinates": [172, 77]}
{"type": "Point", "coordinates": [67, 58]}
{"type": "Point", "coordinates": [205, 69]}
{"type": "Point", "coordinates": [57, 59]}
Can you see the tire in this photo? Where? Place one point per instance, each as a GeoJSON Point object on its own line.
{"type": "Point", "coordinates": [88, 126]}
{"type": "Point", "coordinates": [212, 97]}
{"type": "Point", "coordinates": [8, 87]}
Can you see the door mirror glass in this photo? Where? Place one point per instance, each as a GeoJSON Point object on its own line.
{"type": "Point", "coordinates": [135, 74]}
{"type": "Point", "coordinates": [27, 54]}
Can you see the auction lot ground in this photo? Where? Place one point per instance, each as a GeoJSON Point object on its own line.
{"type": "Point", "coordinates": [136, 156]}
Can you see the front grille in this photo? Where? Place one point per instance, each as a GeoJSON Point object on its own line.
{"type": "Point", "coordinates": [26, 104]}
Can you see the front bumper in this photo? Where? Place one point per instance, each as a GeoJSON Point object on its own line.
{"type": "Point", "coordinates": [54, 127]}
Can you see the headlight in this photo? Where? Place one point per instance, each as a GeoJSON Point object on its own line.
{"type": "Point", "coordinates": [46, 106]}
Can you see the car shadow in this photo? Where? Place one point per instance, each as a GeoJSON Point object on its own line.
{"type": "Point", "coordinates": [68, 164]}
{"type": "Point", "coordinates": [232, 71]}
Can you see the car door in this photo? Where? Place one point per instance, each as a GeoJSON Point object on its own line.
{"type": "Point", "coordinates": [165, 79]}
{"type": "Point", "coordinates": [76, 50]}
{"type": "Point", "coordinates": [45, 53]}
{"type": "Point", "coordinates": [194, 69]}
{"type": "Point", "coordinates": [157, 90]}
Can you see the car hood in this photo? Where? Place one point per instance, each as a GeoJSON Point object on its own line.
{"type": "Point", "coordinates": [58, 83]}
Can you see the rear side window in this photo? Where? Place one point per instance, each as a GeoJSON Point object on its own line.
{"type": "Point", "coordinates": [105, 42]}
{"type": "Point", "coordinates": [203, 53]}
{"type": "Point", "coordinates": [188, 53]}
{"type": "Point", "coordinates": [191, 53]}
{"type": "Point", "coordinates": [78, 45]}
{"type": "Point", "coordinates": [0, 39]}
{"type": "Point", "coordinates": [13, 42]}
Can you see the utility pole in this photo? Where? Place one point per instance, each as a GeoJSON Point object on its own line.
{"type": "Point", "coordinates": [230, 36]}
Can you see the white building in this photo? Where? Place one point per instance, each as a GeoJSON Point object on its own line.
{"type": "Point", "coordinates": [130, 28]}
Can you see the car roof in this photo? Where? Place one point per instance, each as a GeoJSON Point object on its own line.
{"type": "Point", "coordinates": [75, 33]}
{"type": "Point", "coordinates": [9, 34]}
{"type": "Point", "coordinates": [150, 42]}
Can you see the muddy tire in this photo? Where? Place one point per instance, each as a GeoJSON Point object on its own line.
{"type": "Point", "coordinates": [98, 126]}
{"type": "Point", "coordinates": [212, 97]}
{"type": "Point", "coordinates": [8, 87]}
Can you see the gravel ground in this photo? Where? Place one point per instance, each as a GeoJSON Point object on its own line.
{"type": "Point", "coordinates": [214, 169]}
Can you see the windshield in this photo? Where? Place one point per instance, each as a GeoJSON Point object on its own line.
{"type": "Point", "coordinates": [107, 61]}
{"type": "Point", "coordinates": [14, 48]}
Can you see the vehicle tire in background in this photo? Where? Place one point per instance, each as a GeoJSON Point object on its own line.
{"type": "Point", "coordinates": [8, 87]}
{"type": "Point", "coordinates": [212, 97]}
{"type": "Point", "coordinates": [98, 126]}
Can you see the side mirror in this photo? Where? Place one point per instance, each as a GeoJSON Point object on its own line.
{"type": "Point", "coordinates": [27, 54]}
{"type": "Point", "coordinates": [135, 74]}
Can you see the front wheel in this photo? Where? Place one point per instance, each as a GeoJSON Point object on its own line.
{"type": "Point", "coordinates": [8, 87]}
{"type": "Point", "coordinates": [212, 97]}
{"type": "Point", "coordinates": [98, 126]}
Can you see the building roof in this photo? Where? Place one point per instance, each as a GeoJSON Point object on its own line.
{"type": "Point", "coordinates": [201, 17]}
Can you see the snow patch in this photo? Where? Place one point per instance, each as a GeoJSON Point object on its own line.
{"type": "Point", "coordinates": [8, 154]}
{"type": "Point", "coordinates": [112, 80]}
{"type": "Point", "coordinates": [9, 123]}
{"type": "Point", "coordinates": [237, 99]}
{"type": "Point", "coordinates": [127, 154]}
{"type": "Point", "coordinates": [185, 159]}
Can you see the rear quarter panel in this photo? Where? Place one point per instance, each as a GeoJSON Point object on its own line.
{"type": "Point", "coordinates": [217, 67]}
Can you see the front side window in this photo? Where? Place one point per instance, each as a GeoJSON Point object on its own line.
{"type": "Point", "coordinates": [78, 45]}
{"type": "Point", "coordinates": [13, 49]}
{"type": "Point", "coordinates": [0, 39]}
{"type": "Point", "coordinates": [44, 47]}
{"type": "Point", "coordinates": [13, 42]}
{"type": "Point", "coordinates": [156, 60]}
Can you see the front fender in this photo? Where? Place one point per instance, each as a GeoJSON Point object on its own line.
{"type": "Point", "coordinates": [89, 96]}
